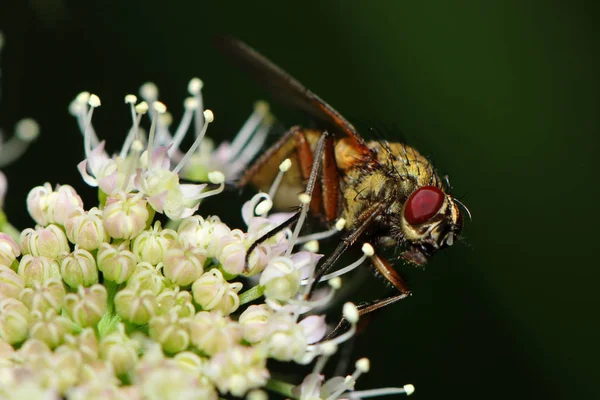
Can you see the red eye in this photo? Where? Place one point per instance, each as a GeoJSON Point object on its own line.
{"type": "Point", "coordinates": [423, 204]}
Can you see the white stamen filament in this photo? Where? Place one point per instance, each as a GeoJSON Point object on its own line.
{"type": "Point", "coordinates": [216, 177]}
{"type": "Point", "coordinates": [190, 105]}
{"type": "Point", "coordinates": [132, 163]}
{"type": "Point", "coordinates": [261, 109]}
{"type": "Point", "coordinates": [255, 144]}
{"type": "Point", "coordinates": [87, 135]}
{"type": "Point", "coordinates": [283, 168]}
{"type": "Point", "coordinates": [133, 132]}
{"type": "Point", "coordinates": [367, 252]}
{"type": "Point", "coordinates": [157, 108]}
{"type": "Point", "coordinates": [26, 131]}
{"type": "Point", "coordinates": [195, 88]}
{"type": "Point", "coordinates": [209, 117]}
{"type": "Point", "coordinates": [362, 394]}
{"type": "Point", "coordinates": [311, 245]}
{"type": "Point", "coordinates": [305, 201]}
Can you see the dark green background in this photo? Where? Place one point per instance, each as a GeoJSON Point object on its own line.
{"type": "Point", "coordinates": [503, 95]}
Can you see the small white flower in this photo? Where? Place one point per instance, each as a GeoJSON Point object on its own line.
{"type": "Point", "coordinates": [281, 279]}
{"type": "Point", "coordinates": [238, 370]}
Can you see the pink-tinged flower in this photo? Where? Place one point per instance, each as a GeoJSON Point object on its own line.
{"type": "Point", "coordinates": [281, 279]}
{"type": "Point", "coordinates": [9, 249]}
{"type": "Point", "coordinates": [125, 215]}
{"type": "Point", "coordinates": [135, 305]}
{"type": "Point", "coordinates": [212, 292]}
{"type": "Point", "coordinates": [42, 297]}
{"type": "Point", "coordinates": [254, 321]}
{"type": "Point", "coordinates": [87, 306]}
{"type": "Point", "coordinates": [182, 266]}
{"type": "Point", "coordinates": [49, 241]}
{"type": "Point", "coordinates": [212, 332]}
{"type": "Point", "coordinates": [116, 262]}
{"type": "Point", "coordinates": [47, 206]}
{"type": "Point", "coordinates": [37, 269]}
{"type": "Point", "coordinates": [50, 327]}
{"type": "Point", "coordinates": [238, 370]}
{"type": "Point", "coordinates": [86, 228]}
{"type": "Point", "coordinates": [152, 244]}
{"type": "Point", "coordinates": [177, 301]}
{"type": "Point", "coordinates": [204, 233]}
{"type": "Point", "coordinates": [14, 321]}
{"type": "Point", "coordinates": [11, 284]}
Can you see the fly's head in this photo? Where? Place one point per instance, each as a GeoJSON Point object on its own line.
{"type": "Point", "coordinates": [430, 220]}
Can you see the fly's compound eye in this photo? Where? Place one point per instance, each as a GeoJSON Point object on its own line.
{"type": "Point", "coordinates": [423, 204]}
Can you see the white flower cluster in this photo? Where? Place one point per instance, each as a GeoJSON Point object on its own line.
{"type": "Point", "coordinates": [106, 303]}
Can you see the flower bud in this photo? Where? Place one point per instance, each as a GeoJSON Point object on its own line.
{"type": "Point", "coordinates": [281, 279]}
{"type": "Point", "coordinates": [182, 266]}
{"type": "Point", "coordinates": [125, 215]}
{"type": "Point", "coordinates": [136, 306]}
{"type": "Point", "coordinates": [254, 322]}
{"type": "Point", "coordinates": [232, 256]}
{"type": "Point", "coordinates": [42, 297]}
{"type": "Point", "coordinates": [46, 206]}
{"type": "Point", "coordinates": [238, 370]}
{"type": "Point", "coordinates": [174, 300]}
{"type": "Point", "coordinates": [286, 340]}
{"type": "Point", "coordinates": [151, 245]}
{"type": "Point", "coordinates": [195, 231]}
{"type": "Point", "coordinates": [117, 263]}
{"type": "Point", "coordinates": [187, 360]}
{"type": "Point", "coordinates": [49, 327]}
{"type": "Point", "coordinates": [14, 321]}
{"type": "Point", "coordinates": [11, 283]}
{"type": "Point", "coordinates": [79, 269]}
{"type": "Point", "coordinates": [85, 343]}
{"type": "Point", "coordinates": [147, 277]}
{"type": "Point", "coordinates": [87, 306]}
{"type": "Point", "coordinates": [9, 250]}
{"type": "Point", "coordinates": [119, 350]}
{"type": "Point", "coordinates": [32, 351]}
{"type": "Point", "coordinates": [37, 269]}
{"type": "Point", "coordinates": [49, 242]}
{"type": "Point", "coordinates": [170, 331]}
{"type": "Point", "coordinates": [86, 229]}
{"type": "Point", "coordinates": [212, 333]}
{"type": "Point", "coordinates": [212, 292]}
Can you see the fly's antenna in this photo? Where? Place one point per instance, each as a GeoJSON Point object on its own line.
{"type": "Point", "coordinates": [460, 203]}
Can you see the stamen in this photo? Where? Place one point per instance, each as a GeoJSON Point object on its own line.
{"type": "Point", "coordinates": [367, 250]}
{"type": "Point", "coordinates": [208, 117]}
{"type": "Point", "coordinates": [261, 109]}
{"type": "Point", "coordinates": [26, 131]}
{"type": "Point", "coordinates": [338, 227]}
{"type": "Point", "coordinates": [195, 88]}
{"type": "Point", "coordinates": [311, 245]}
{"type": "Point", "coordinates": [255, 144]}
{"type": "Point", "coordinates": [263, 207]}
{"type": "Point", "coordinates": [136, 117]}
{"type": "Point", "coordinates": [159, 108]}
{"type": "Point", "coordinates": [350, 312]}
{"type": "Point", "coordinates": [216, 177]}
{"type": "Point", "coordinates": [305, 201]}
{"type": "Point", "coordinates": [362, 394]}
{"type": "Point", "coordinates": [190, 104]}
{"type": "Point", "coordinates": [93, 102]}
{"type": "Point", "coordinates": [136, 149]}
{"type": "Point", "coordinates": [149, 92]}
{"type": "Point", "coordinates": [283, 168]}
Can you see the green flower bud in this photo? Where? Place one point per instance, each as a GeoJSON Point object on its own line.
{"type": "Point", "coordinates": [211, 332]}
{"type": "Point", "coordinates": [42, 297]}
{"type": "Point", "coordinates": [85, 343]}
{"type": "Point", "coordinates": [212, 292]}
{"type": "Point", "coordinates": [14, 321]}
{"type": "Point", "coordinates": [118, 349]}
{"type": "Point", "coordinates": [49, 327]}
{"type": "Point", "coordinates": [170, 331]}
{"type": "Point", "coordinates": [37, 269]}
{"type": "Point", "coordinates": [11, 283]}
{"type": "Point", "coordinates": [88, 306]}
{"type": "Point", "coordinates": [79, 269]}
{"type": "Point", "coordinates": [182, 266]}
{"type": "Point", "coordinates": [147, 277]}
{"type": "Point", "coordinates": [86, 229]}
{"type": "Point", "coordinates": [190, 361]}
{"type": "Point", "coordinates": [174, 300]}
{"type": "Point", "coordinates": [49, 242]}
{"type": "Point", "coordinates": [117, 263]}
{"type": "Point", "coordinates": [151, 245]}
{"type": "Point", "coordinates": [254, 322]}
{"type": "Point", "coordinates": [136, 306]}
{"type": "Point", "coordinates": [125, 215]}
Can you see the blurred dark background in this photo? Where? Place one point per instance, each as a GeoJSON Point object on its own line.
{"type": "Point", "coordinates": [502, 95]}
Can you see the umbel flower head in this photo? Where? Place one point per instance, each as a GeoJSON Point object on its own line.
{"type": "Point", "coordinates": [107, 302]}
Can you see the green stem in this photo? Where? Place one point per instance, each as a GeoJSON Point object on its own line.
{"type": "Point", "coordinates": [251, 294]}
{"type": "Point", "coordinates": [283, 388]}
